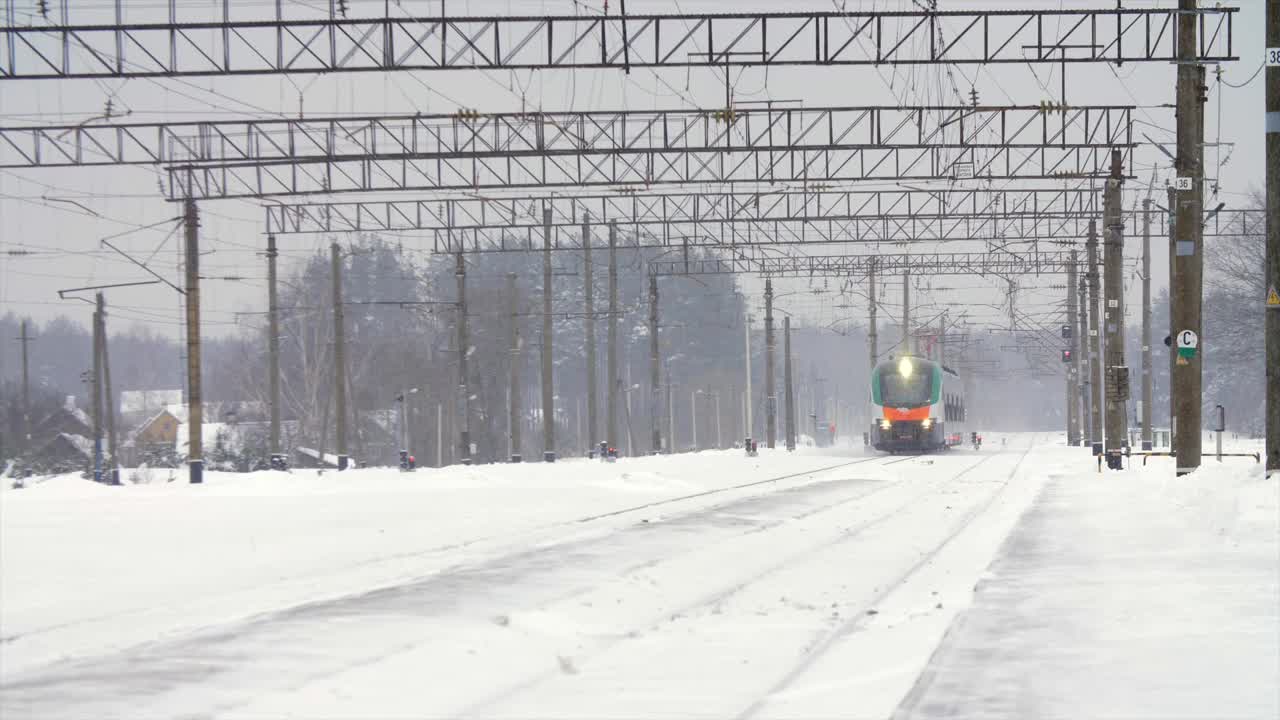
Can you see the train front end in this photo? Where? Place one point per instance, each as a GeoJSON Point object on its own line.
{"type": "Point", "coordinates": [906, 395]}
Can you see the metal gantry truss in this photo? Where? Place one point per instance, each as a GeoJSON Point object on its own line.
{"type": "Point", "coordinates": [209, 40]}
{"type": "Point", "coordinates": [846, 266]}
{"type": "Point", "coordinates": [252, 158]}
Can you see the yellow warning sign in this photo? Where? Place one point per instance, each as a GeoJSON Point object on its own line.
{"type": "Point", "coordinates": [1181, 361]}
{"type": "Point", "coordinates": [1273, 298]}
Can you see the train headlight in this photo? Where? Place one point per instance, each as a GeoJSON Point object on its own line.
{"type": "Point", "coordinates": [926, 423]}
{"type": "Point", "coordinates": [905, 368]}
{"type": "Point", "coordinates": [885, 424]}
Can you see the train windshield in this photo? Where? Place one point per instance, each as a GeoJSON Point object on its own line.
{"type": "Point", "coordinates": [905, 390]}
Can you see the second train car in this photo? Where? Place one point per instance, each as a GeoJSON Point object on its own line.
{"type": "Point", "coordinates": [918, 405]}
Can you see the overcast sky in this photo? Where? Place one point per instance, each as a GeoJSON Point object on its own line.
{"type": "Point", "coordinates": [84, 205]}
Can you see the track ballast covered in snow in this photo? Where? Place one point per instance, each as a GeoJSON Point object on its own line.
{"type": "Point", "coordinates": [814, 584]}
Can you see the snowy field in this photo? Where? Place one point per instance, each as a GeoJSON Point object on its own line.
{"type": "Point", "coordinates": [1015, 582]}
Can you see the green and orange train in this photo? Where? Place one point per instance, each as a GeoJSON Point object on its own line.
{"type": "Point", "coordinates": [918, 405]}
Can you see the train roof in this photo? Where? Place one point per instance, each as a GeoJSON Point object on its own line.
{"type": "Point", "coordinates": [892, 363]}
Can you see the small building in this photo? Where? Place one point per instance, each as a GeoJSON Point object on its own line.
{"type": "Point", "coordinates": [67, 419]}
{"type": "Point", "coordinates": [64, 452]}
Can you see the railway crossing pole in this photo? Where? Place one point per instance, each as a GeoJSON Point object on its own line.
{"type": "Point", "coordinates": [1073, 359]}
{"type": "Point", "coordinates": [1188, 257]}
{"type": "Point", "coordinates": [589, 292]}
{"type": "Point", "coordinates": [1273, 237]}
{"type": "Point", "coordinates": [771, 389]}
{"type": "Point", "coordinates": [1147, 443]}
{"type": "Point", "coordinates": [1115, 372]}
{"type": "Point", "coordinates": [1095, 352]}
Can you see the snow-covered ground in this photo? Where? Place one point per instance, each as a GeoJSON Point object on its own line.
{"type": "Point", "coordinates": [653, 587]}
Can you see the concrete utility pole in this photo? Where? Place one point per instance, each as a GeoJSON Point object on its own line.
{"type": "Point", "coordinates": [1172, 219]}
{"type": "Point", "coordinates": [25, 339]}
{"type": "Point", "coordinates": [655, 369]}
{"type": "Point", "coordinates": [464, 346]}
{"type": "Point", "coordinates": [786, 379]}
{"type": "Point", "coordinates": [1116, 372]}
{"type": "Point", "coordinates": [746, 362]}
{"type": "Point", "coordinates": [1146, 325]}
{"type": "Point", "coordinates": [195, 395]}
{"type": "Point", "coordinates": [611, 352]}
{"type": "Point", "coordinates": [873, 349]}
{"type": "Point", "coordinates": [548, 368]}
{"type": "Point", "coordinates": [273, 345]}
{"type": "Point", "coordinates": [513, 422]}
{"type": "Point", "coordinates": [771, 390]}
{"type": "Point", "coordinates": [97, 391]}
{"type": "Point", "coordinates": [906, 312]}
{"type": "Point", "coordinates": [1085, 369]}
{"type": "Point", "coordinates": [589, 292]}
{"type": "Point", "coordinates": [339, 355]}
{"type": "Point", "coordinates": [110, 398]}
{"type": "Point", "coordinates": [1188, 258]}
{"type": "Point", "coordinates": [1273, 237]}
{"type": "Point", "coordinates": [1095, 351]}
{"type": "Point", "coordinates": [1073, 367]}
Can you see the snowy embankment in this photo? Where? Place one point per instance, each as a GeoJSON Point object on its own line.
{"type": "Point", "coordinates": [846, 588]}
{"type": "Point", "coordinates": [86, 568]}
{"type": "Point", "coordinates": [1125, 594]}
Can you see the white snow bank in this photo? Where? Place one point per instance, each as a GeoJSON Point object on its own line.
{"type": "Point", "coordinates": [1124, 594]}
{"type": "Point", "coordinates": [86, 567]}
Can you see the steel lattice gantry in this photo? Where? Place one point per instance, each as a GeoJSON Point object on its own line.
{"type": "Point", "coordinates": [747, 218]}
{"type": "Point", "coordinates": [248, 158]}
{"type": "Point", "coordinates": [478, 224]}
{"type": "Point", "coordinates": [213, 40]}
{"type": "Point", "coordinates": [806, 266]}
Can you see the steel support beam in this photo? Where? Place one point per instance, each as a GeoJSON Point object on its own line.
{"type": "Point", "coordinates": [803, 266]}
{"type": "Point", "coordinates": [206, 40]}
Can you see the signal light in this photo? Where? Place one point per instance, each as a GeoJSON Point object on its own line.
{"type": "Point", "coordinates": [1066, 356]}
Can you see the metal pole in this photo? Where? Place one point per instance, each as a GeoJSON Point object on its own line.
{"type": "Point", "coordinates": [110, 399]}
{"type": "Point", "coordinates": [589, 293]}
{"type": "Point", "coordinates": [1146, 325]}
{"type": "Point", "coordinates": [786, 380]}
{"type": "Point", "coordinates": [1095, 351]}
{"type": "Point", "coordinates": [872, 339]}
{"type": "Point", "coordinates": [1084, 373]}
{"type": "Point", "coordinates": [339, 355]}
{"type": "Point", "coordinates": [1115, 374]}
{"type": "Point", "coordinates": [1188, 259]}
{"type": "Point", "coordinates": [906, 312]}
{"type": "Point", "coordinates": [771, 397]}
{"type": "Point", "coordinates": [97, 391]}
{"type": "Point", "coordinates": [746, 342]}
{"type": "Point", "coordinates": [513, 422]}
{"type": "Point", "coordinates": [195, 406]}
{"type": "Point", "coordinates": [655, 370]}
{"type": "Point", "coordinates": [719, 438]}
{"type": "Point", "coordinates": [273, 345]}
{"type": "Point", "coordinates": [1172, 199]}
{"type": "Point", "coordinates": [26, 390]}
{"type": "Point", "coordinates": [1073, 367]}
{"type": "Point", "coordinates": [611, 356]}
{"type": "Point", "coordinates": [439, 435]}
{"type": "Point", "coordinates": [693, 410]}
{"type": "Point", "coordinates": [1273, 239]}
{"type": "Point", "coordinates": [548, 391]}
{"type": "Point", "coordinates": [464, 351]}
